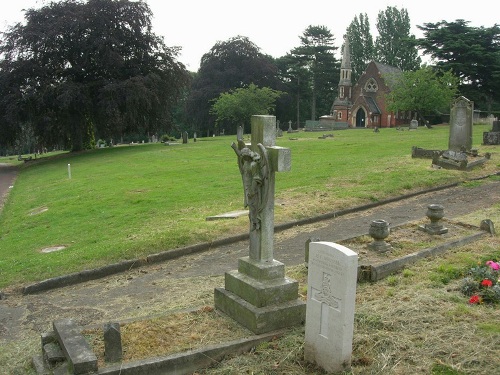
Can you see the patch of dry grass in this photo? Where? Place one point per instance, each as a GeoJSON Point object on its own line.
{"type": "Point", "coordinates": [173, 333]}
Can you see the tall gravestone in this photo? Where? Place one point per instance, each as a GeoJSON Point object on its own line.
{"type": "Point", "coordinates": [331, 295]}
{"type": "Point", "coordinates": [239, 133]}
{"type": "Point", "coordinates": [461, 125]}
{"type": "Point", "coordinates": [258, 294]}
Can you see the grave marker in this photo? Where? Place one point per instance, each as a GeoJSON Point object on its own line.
{"type": "Point", "coordinates": [461, 125]}
{"type": "Point", "coordinates": [331, 296]}
{"type": "Point", "coordinates": [258, 295]}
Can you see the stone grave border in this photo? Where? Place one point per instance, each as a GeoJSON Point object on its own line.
{"type": "Point", "coordinates": [97, 273]}
{"type": "Point", "coordinates": [378, 271]}
{"type": "Point", "coordinates": [68, 338]}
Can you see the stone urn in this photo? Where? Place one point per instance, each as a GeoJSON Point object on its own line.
{"type": "Point", "coordinates": [435, 212]}
{"type": "Point", "coordinates": [379, 231]}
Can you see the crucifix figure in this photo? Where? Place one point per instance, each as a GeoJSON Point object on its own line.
{"type": "Point", "coordinates": [258, 162]}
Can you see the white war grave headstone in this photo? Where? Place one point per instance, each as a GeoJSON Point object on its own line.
{"type": "Point", "coordinates": [258, 295]}
{"type": "Point", "coordinates": [331, 295]}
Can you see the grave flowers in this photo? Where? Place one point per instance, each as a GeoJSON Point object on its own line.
{"type": "Point", "coordinates": [482, 284]}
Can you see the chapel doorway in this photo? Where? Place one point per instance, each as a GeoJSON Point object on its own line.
{"type": "Point", "coordinates": [360, 118]}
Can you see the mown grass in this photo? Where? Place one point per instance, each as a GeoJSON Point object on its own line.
{"type": "Point", "coordinates": [128, 202]}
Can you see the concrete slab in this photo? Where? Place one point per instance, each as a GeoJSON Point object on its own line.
{"type": "Point", "coordinates": [228, 215]}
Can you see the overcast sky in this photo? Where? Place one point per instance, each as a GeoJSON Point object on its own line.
{"type": "Point", "coordinates": [274, 25]}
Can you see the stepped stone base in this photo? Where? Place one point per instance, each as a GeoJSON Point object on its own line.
{"type": "Point", "coordinates": [260, 297]}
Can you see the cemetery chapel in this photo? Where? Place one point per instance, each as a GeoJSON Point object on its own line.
{"type": "Point", "coordinates": [364, 105]}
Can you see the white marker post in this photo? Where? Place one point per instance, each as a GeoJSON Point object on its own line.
{"type": "Point", "coordinates": [69, 171]}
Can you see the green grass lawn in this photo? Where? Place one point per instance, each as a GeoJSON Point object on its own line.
{"type": "Point", "coordinates": [130, 201]}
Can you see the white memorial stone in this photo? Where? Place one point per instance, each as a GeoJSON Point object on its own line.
{"type": "Point", "coordinates": [331, 295]}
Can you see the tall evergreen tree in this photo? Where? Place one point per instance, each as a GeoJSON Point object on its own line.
{"type": "Point", "coordinates": [316, 53]}
{"type": "Point", "coordinates": [361, 45]}
{"type": "Point", "coordinates": [394, 45]}
{"type": "Point", "coordinates": [472, 53]}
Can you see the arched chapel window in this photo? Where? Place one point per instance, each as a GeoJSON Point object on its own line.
{"type": "Point", "coordinates": [371, 85]}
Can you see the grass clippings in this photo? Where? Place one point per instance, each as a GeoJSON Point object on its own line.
{"type": "Point", "coordinates": [169, 334]}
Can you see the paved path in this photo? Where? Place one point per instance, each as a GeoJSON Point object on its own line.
{"type": "Point", "coordinates": [148, 290]}
{"type": "Point", "coordinates": [8, 174]}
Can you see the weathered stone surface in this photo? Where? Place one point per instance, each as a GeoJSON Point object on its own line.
{"type": "Point", "coordinates": [461, 125]}
{"type": "Point", "coordinates": [258, 295]}
{"type": "Point", "coordinates": [260, 319]}
{"type": "Point", "coordinates": [112, 342]}
{"type": "Point", "coordinates": [78, 353]}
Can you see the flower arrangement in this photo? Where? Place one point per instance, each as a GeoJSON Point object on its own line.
{"type": "Point", "coordinates": [482, 283]}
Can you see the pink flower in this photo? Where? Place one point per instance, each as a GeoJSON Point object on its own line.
{"type": "Point", "coordinates": [475, 299]}
{"type": "Point", "coordinates": [494, 265]}
{"type": "Point", "coordinates": [487, 283]}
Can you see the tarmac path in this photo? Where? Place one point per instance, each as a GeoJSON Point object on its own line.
{"type": "Point", "coordinates": [147, 290]}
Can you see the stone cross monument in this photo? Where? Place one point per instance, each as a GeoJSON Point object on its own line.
{"type": "Point", "coordinates": [258, 295]}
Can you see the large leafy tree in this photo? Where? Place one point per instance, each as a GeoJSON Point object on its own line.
{"type": "Point", "coordinates": [395, 45]}
{"type": "Point", "coordinates": [472, 53]}
{"type": "Point", "coordinates": [228, 65]}
{"type": "Point", "coordinates": [236, 107]}
{"type": "Point", "coordinates": [426, 91]}
{"type": "Point", "coordinates": [316, 55]}
{"type": "Point", "coordinates": [361, 45]}
{"type": "Point", "coordinates": [76, 68]}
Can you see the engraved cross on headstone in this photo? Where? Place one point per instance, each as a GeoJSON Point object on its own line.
{"type": "Point", "coordinates": [258, 163]}
{"type": "Point", "coordinates": [327, 301]}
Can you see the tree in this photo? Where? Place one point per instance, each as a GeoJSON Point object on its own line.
{"type": "Point", "coordinates": [76, 68]}
{"type": "Point", "coordinates": [473, 54]}
{"type": "Point", "coordinates": [361, 45]}
{"type": "Point", "coordinates": [237, 106]}
{"type": "Point", "coordinates": [425, 91]}
{"type": "Point", "coordinates": [316, 53]}
{"type": "Point", "coordinates": [394, 45]}
{"type": "Point", "coordinates": [228, 65]}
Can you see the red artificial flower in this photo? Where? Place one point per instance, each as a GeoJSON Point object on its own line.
{"type": "Point", "coordinates": [475, 299]}
{"type": "Point", "coordinates": [487, 283]}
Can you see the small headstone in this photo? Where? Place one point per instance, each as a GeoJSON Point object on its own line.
{"type": "Point", "coordinates": [194, 137]}
{"type": "Point", "coordinates": [461, 125]}
{"type": "Point", "coordinates": [185, 137]}
{"type": "Point", "coordinates": [112, 342]}
{"type": "Point", "coordinates": [239, 133]}
{"type": "Point", "coordinates": [290, 126]}
{"type": "Point", "coordinates": [413, 125]}
{"type": "Point", "coordinates": [488, 226]}
{"type": "Point", "coordinates": [331, 295]}
{"type": "Point", "coordinates": [308, 243]}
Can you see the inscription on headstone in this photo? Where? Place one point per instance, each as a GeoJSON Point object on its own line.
{"type": "Point", "coordinates": [331, 296]}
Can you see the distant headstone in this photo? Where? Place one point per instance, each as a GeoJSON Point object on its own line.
{"type": "Point", "coordinates": [112, 342]}
{"type": "Point", "coordinates": [461, 125]}
{"type": "Point", "coordinates": [290, 126]}
{"type": "Point", "coordinates": [492, 137]}
{"type": "Point", "coordinates": [185, 137]}
{"type": "Point", "coordinates": [194, 137]}
{"type": "Point", "coordinates": [239, 133]}
{"type": "Point", "coordinates": [413, 125]}
{"type": "Point", "coordinates": [331, 295]}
